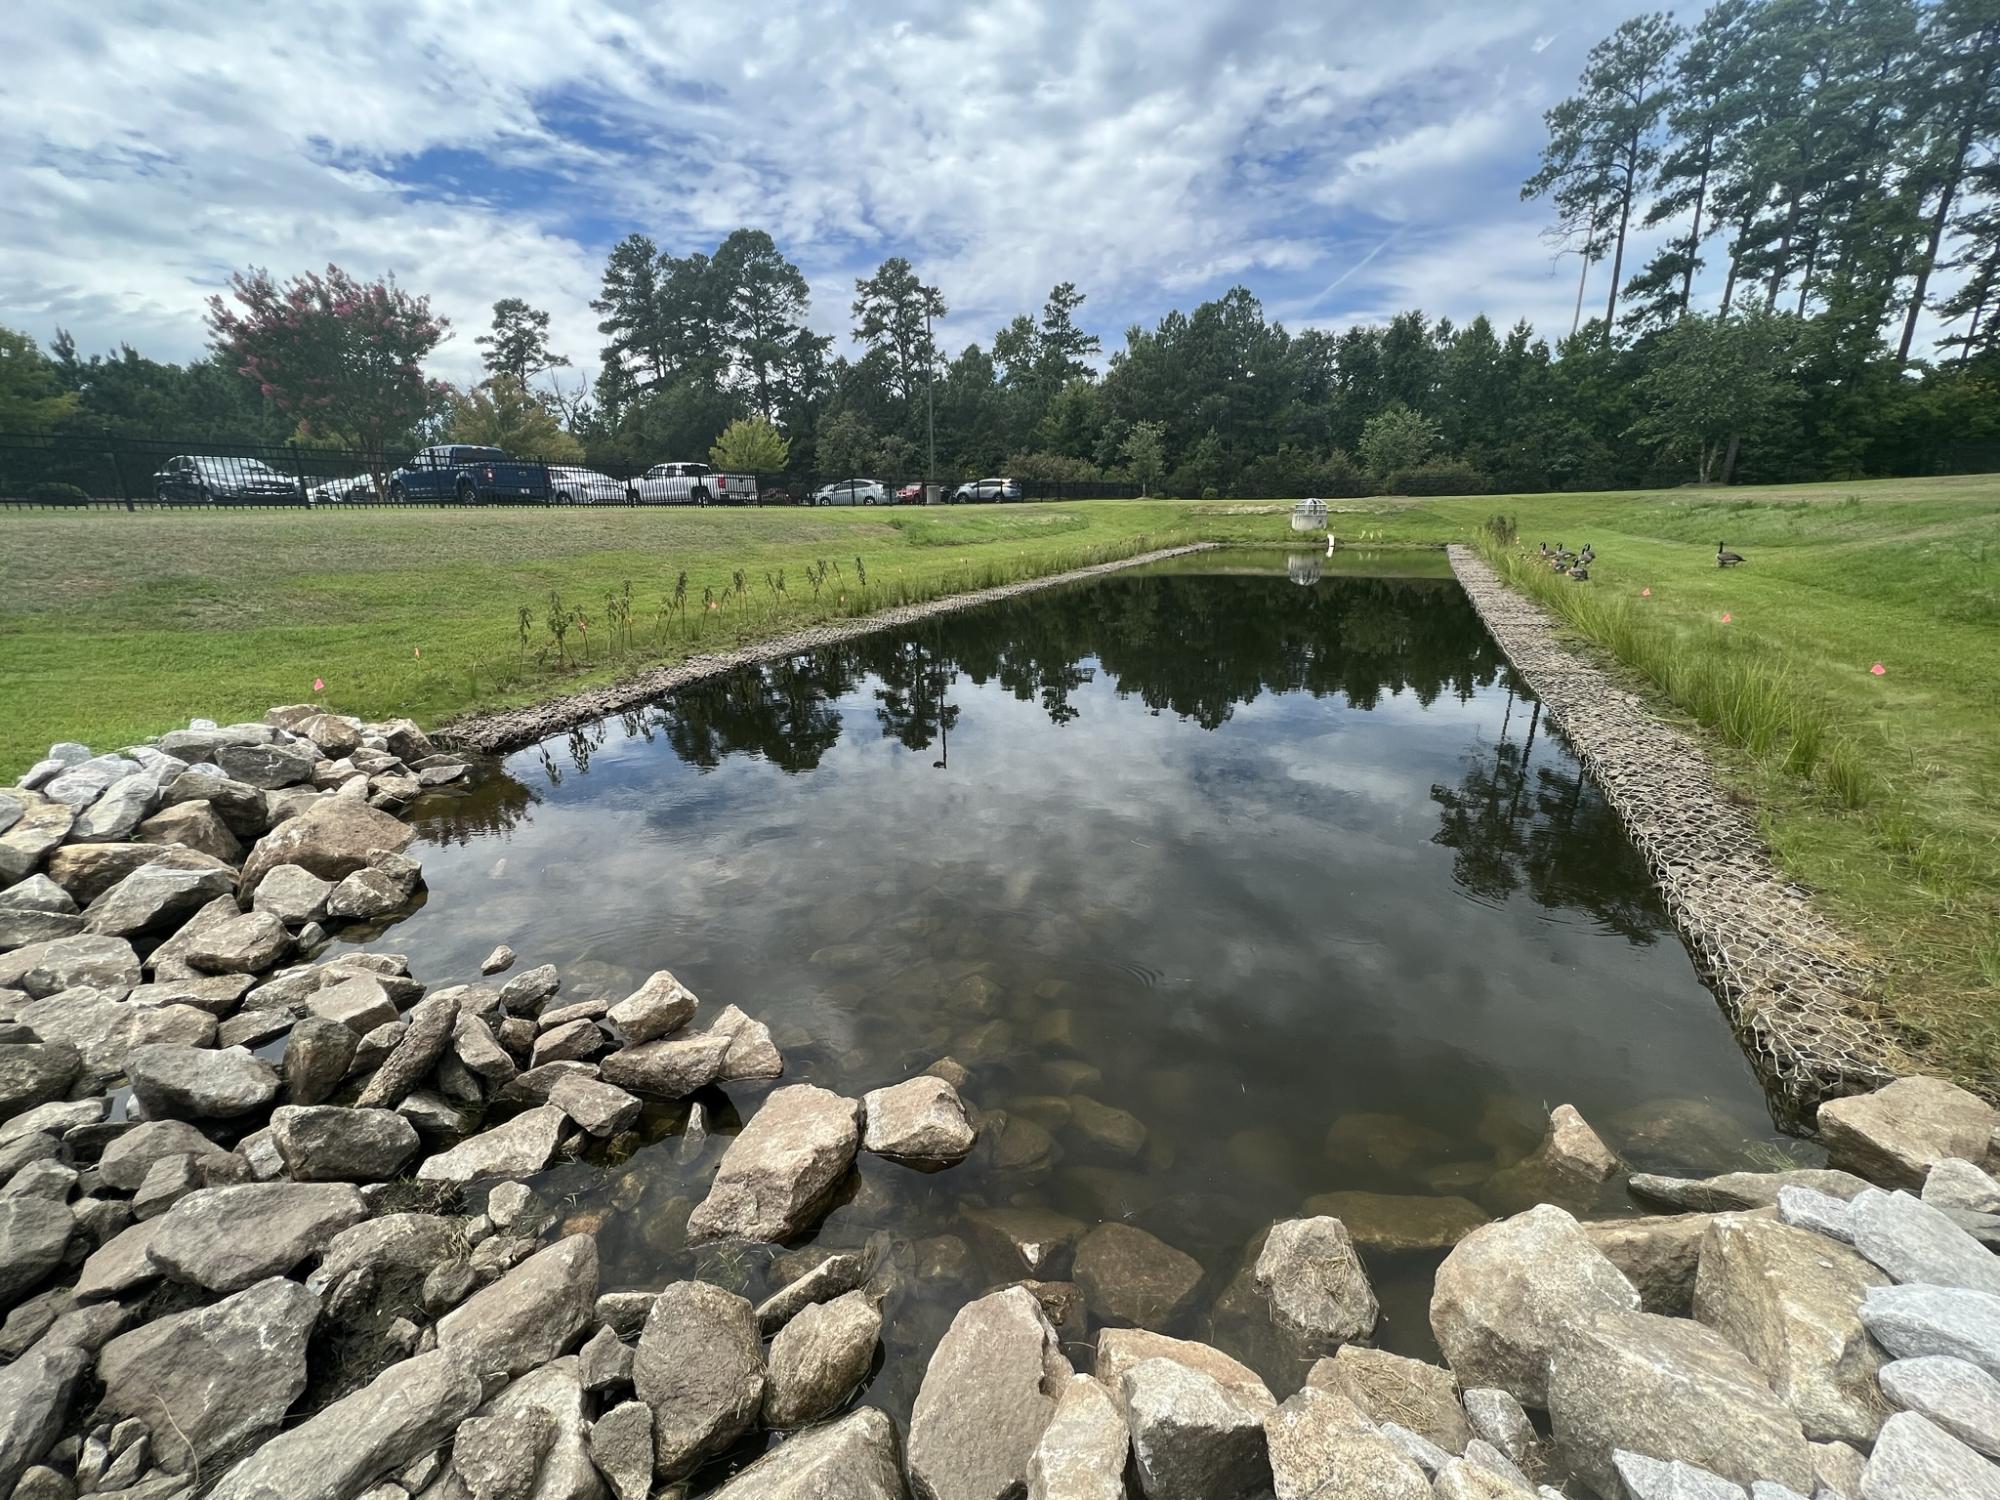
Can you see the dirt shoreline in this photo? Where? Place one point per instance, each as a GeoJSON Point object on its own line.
{"type": "Point", "coordinates": [508, 729]}
{"type": "Point", "coordinates": [1798, 993]}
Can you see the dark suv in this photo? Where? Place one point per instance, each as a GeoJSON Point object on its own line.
{"type": "Point", "coordinates": [189, 480]}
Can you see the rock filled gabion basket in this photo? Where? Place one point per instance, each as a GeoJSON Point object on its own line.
{"type": "Point", "coordinates": [1796, 991]}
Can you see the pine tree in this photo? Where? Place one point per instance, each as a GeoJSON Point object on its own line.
{"type": "Point", "coordinates": [518, 345]}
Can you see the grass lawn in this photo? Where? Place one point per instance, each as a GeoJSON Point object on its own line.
{"type": "Point", "coordinates": [117, 626]}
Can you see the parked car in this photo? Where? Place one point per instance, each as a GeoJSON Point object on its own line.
{"type": "Point", "coordinates": [469, 475]}
{"type": "Point", "coordinates": [975, 490]}
{"type": "Point", "coordinates": [569, 485]}
{"type": "Point", "coordinates": [910, 494]}
{"type": "Point", "coordinates": [356, 488]}
{"type": "Point", "coordinates": [190, 479]}
{"type": "Point", "coordinates": [851, 492]}
{"type": "Point", "coordinates": [695, 484]}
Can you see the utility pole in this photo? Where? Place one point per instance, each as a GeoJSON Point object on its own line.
{"type": "Point", "coordinates": [930, 409]}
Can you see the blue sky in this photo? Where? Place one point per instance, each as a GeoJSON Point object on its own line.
{"type": "Point", "coordinates": [1343, 161]}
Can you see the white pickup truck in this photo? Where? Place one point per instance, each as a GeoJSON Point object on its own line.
{"type": "Point", "coordinates": [695, 484]}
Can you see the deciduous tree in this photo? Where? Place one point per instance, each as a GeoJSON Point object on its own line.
{"type": "Point", "coordinates": [751, 445]}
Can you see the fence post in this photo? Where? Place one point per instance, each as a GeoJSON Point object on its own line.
{"type": "Point", "coordinates": [548, 489]}
{"type": "Point", "coordinates": [118, 473]}
{"type": "Point", "coordinates": [299, 471]}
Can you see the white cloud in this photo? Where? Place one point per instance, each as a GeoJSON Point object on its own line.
{"type": "Point", "coordinates": [1152, 155]}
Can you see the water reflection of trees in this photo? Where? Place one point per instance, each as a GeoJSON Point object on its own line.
{"type": "Point", "coordinates": [1512, 823]}
{"type": "Point", "coordinates": [492, 804]}
{"type": "Point", "coordinates": [1198, 647]}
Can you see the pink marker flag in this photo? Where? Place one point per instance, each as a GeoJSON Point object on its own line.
{"type": "Point", "coordinates": [1645, 593]}
{"type": "Point", "coordinates": [1878, 669]}
{"type": "Point", "coordinates": [1725, 617]}
{"type": "Point", "coordinates": [319, 684]}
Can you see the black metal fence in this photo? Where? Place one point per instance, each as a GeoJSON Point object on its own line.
{"type": "Point", "coordinates": [88, 471]}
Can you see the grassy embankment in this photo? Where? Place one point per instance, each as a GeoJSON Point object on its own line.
{"type": "Point", "coordinates": [1879, 792]}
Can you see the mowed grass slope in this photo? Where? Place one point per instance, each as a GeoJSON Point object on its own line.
{"type": "Point", "coordinates": [117, 626]}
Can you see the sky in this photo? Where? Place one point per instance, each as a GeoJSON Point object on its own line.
{"type": "Point", "coordinates": [1344, 161]}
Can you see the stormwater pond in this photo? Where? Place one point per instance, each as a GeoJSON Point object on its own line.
{"type": "Point", "coordinates": [1242, 887]}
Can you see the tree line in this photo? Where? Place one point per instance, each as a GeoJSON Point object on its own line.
{"type": "Point", "coordinates": [1827, 171]}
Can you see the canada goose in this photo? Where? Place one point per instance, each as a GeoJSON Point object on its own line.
{"type": "Point", "coordinates": [1588, 555]}
{"type": "Point", "coordinates": [1725, 559]}
{"type": "Point", "coordinates": [1580, 573]}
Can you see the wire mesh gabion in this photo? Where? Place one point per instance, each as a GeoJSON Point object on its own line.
{"type": "Point", "coordinates": [1801, 996]}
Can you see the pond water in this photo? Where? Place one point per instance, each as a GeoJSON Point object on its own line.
{"type": "Point", "coordinates": [1246, 881]}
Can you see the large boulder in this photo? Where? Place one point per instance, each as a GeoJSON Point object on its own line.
{"type": "Point", "coordinates": [431, 1021]}
{"type": "Point", "coordinates": [294, 895]}
{"type": "Point", "coordinates": [107, 1030]}
{"type": "Point", "coordinates": [1569, 1167]}
{"type": "Point", "coordinates": [1130, 1276]}
{"type": "Point", "coordinates": [116, 812]}
{"type": "Point", "coordinates": [819, 1358]}
{"type": "Point", "coordinates": [1915, 1459]}
{"type": "Point", "coordinates": [1790, 1300]}
{"type": "Point", "coordinates": [1659, 1254]}
{"type": "Point", "coordinates": [1393, 1388]}
{"type": "Point", "coordinates": [1910, 1321]}
{"type": "Point", "coordinates": [1083, 1450]}
{"type": "Point", "coordinates": [35, 1395]}
{"type": "Point", "coordinates": [1120, 1349]}
{"type": "Point", "coordinates": [920, 1122]}
{"type": "Point", "coordinates": [226, 1238]}
{"type": "Point", "coordinates": [1670, 1389]}
{"type": "Point", "coordinates": [318, 1053]}
{"type": "Point", "coordinates": [1193, 1438]}
{"type": "Point", "coordinates": [127, 1159]}
{"type": "Point", "coordinates": [518, 1148]}
{"type": "Point", "coordinates": [539, 1417]}
{"type": "Point", "coordinates": [1315, 1284]}
{"type": "Point", "coordinates": [328, 1143]}
{"type": "Point", "coordinates": [36, 832]}
{"type": "Point", "coordinates": [779, 1175]}
{"type": "Point", "coordinates": [34, 1233]}
{"type": "Point", "coordinates": [407, 1411]}
{"type": "Point", "coordinates": [856, 1458]}
{"type": "Point", "coordinates": [268, 767]}
{"type": "Point", "coordinates": [333, 838]}
{"type": "Point", "coordinates": [33, 1073]}
{"type": "Point", "coordinates": [1322, 1445]}
{"type": "Point", "coordinates": [86, 961]}
{"type": "Point", "coordinates": [1961, 1398]}
{"type": "Point", "coordinates": [986, 1399]}
{"type": "Point", "coordinates": [660, 1006]}
{"type": "Point", "coordinates": [1915, 1241]}
{"type": "Point", "coordinates": [246, 944]}
{"type": "Point", "coordinates": [210, 1382]}
{"type": "Point", "coordinates": [195, 825]}
{"type": "Point", "coordinates": [200, 1083]}
{"type": "Point", "coordinates": [700, 1367]}
{"type": "Point", "coordinates": [530, 1316]}
{"type": "Point", "coordinates": [155, 901]}
{"type": "Point", "coordinates": [671, 1068]}
{"type": "Point", "coordinates": [37, 910]}
{"type": "Point", "coordinates": [1510, 1293]}
{"type": "Point", "coordinates": [410, 1244]}
{"type": "Point", "coordinates": [241, 807]}
{"type": "Point", "coordinates": [1895, 1135]}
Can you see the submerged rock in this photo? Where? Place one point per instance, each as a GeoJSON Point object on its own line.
{"type": "Point", "coordinates": [1400, 1223]}
{"type": "Point", "coordinates": [1129, 1276]}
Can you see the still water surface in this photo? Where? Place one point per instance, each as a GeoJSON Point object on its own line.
{"type": "Point", "coordinates": [1289, 868]}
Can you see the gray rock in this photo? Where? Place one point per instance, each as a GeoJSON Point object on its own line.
{"type": "Point", "coordinates": [253, 1028]}
{"type": "Point", "coordinates": [1499, 1419]}
{"type": "Point", "coordinates": [106, 1030]}
{"type": "Point", "coordinates": [35, 1073]}
{"type": "Point", "coordinates": [326, 1143]}
{"type": "Point", "coordinates": [394, 1242]}
{"type": "Point", "coordinates": [41, 1179]}
{"type": "Point", "coordinates": [294, 895]}
{"type": "Point", "coordinates": [750, 1053]}
{"type": "Point", "coordinates": [498, 961]}
{"type": "Point", "coordinates": [597, 1107]}
{"type": "Point", "coordinates": [529, 990]}
{"type": "Point", "coordinates": [1510, 1293]}
{"type": "Point", "coordinates": [332, 838]}
{"type": "Point", "coordinates": [575, 1041]}
{"type": "Point", "coordinates": [1122, 1349]}
{"type": "Point", "coordinates": [1910, 1321]}
{"type": "Point", "coordinates": [248, 944]}
{"type": "Point", "coordinates": [225, 1238]}
{"type": "Point", "coordinates": [35, 1395]}
{"type": "Point", "coordinates": [1957, 1183]}
{"type": "Point", "coordinates": [200, 1083]}
{"type": "Point", "coordinates": [474, 1045]}
{"type": "Point", "coordinates": [1314, 1282]}
{"type": "Point", "coordinates": [779, 1175]}
{"type": "Point", "coordinates": [87, 961]}
{"type": "Point", "coordinates": [835, 1276]}
{"type": "Point", "coordinates": [624, 1313]}
{"type": "Point", "coordinates": [552, 1397]}
{"type": "Point", "coordinates": [533, 1314]}
{"type": "Point", "coordinates": [1463, 1479]}
{"type": "Point", "coordinates": [1916, 1242]}
{"type": "Point", "coordinates": [241, 807]}
{"type": "Point", "coordinates": [371, 893]}
{"type": "Point", "coordinates": [1310, 1444]}
{"type": "Point", "coordinates": [195, 825]}
{"type": "Point", "coordinates": [1083, 1451]}
{"type": "Point", "coordinates": [1895, 1135]}
{"type": "Point", "coordinates": [56, 1117]}
{"type": "Point", "coordinates": [1194, 1438]}
{"type": "Point", "coordinates": [1658, 1254]}
{"type": "Point", "coordinates": [987, 1397]}
{"type": "Point", "coordinates": [120, 1263]}
{"type": "Point", "coordinates": [317, 1056]}
{"type": "Point", "coordinates": [519, 1148]}
{"type": "Point", "coordinates": [116, 813]}
{"type": "Point", "coordinates": [409, 1409]}
{"type": "Point", "coordinates": [1790, 1300]}
{"type": "Point", "coordinates": [34, 1233]}
{"type": "Point", "coordinates": [1129, 1276]}
{"type": "Point", "coordinates": [1417, 1448]}
{"type": "Point", "coordinates": [668, 1069]}
{"type": "Point", "coordinates": [820, 1358]}
{"type": "Point", "coordinates": [1822, 1213]}
{"type": "Point", "coordinates": [1961, 1398]}
{"type": "Point", "coordinates": [1670, 1389]}
{"type": "Point", "coordinates": [430, 1026]}
{"type": "Point", "coordinates": [621, 1445]}
{"type": "Point", "coordinates": [920, 1121]}
{"type": "Point", "coordinates": [853, 1459]}
{"type": "Point", "coordinates": [210, 1382]}
{"type": "Point", "coordinates": [1389, 1387]}
{"type": "Point", "coordinates": [167, 1182]}
{"type": "Point", "coordinates": [496, 1457]}
{"type": "Point", "coordinates": [126, 1160]}
{"type": "Point", "coordinates": [155, 901]}
{"type": "Point", "coordinates": [1915, 1459]}
{"type": "Point", "coordinates": [1643, 1478]}
{"type": "Point", "coordinates": [361, 1003]}
{"type": "Point", "coordinates": [434, 1116]}
{"type": "Point", "coordinates": [659, 1007]}
{"type": "Point", "coordinates": [700, 1368]}
{"type": "Point", "coordinates": [606, 1362]}
{"type": "Point", "coordinates": [268, 767]}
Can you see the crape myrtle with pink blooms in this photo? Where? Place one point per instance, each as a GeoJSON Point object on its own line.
{"type": "Point", "coordinates": [344, 356]}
